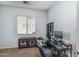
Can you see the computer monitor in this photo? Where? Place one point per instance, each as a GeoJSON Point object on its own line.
{"type": "Point", "coordinates": [58, 34]}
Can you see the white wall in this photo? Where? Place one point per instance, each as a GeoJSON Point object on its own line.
{"type": "Point", "coordinates": [0, 22]}
{"type": "Point", "coordinates": [8, 29]}
{"type": "Point", "coordinates": [77, 28]}
{"type": "Point", "coordinates": [64, 16]}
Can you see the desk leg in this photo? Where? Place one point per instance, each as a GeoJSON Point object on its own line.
{"type": "Point", "coordinates": [71, 51]}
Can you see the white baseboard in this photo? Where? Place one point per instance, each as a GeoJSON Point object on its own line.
{"type": "Point", "coordinates": [8, 47]}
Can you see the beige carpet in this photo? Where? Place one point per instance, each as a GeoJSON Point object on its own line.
{"type": "Point", "coordinates": [15, 52]}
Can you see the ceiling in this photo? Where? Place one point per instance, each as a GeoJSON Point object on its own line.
{"type": "Point", "coordinates": [42, 5]}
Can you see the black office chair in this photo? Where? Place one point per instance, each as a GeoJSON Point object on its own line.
{"type": "Point", "coordinates": [44, 50]}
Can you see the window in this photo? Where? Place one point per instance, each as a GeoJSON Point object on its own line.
{"type": "Point", "coordinates": [31, 25]}
{"type": "Point", "coordinates": [25, 25]}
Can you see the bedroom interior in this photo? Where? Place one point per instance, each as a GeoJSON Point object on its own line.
{"type": "Point", "coordinates": [39, 29]}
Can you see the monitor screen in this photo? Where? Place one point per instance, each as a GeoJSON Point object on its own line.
{"type": "Point", "coordinates": [58, 34]}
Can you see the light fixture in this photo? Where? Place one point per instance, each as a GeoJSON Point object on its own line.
{"type": "Point", "coordinates": [25, 2]}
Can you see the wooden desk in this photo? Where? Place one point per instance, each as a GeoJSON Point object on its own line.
{"type": "Point", "coordinates": [61, 49]}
